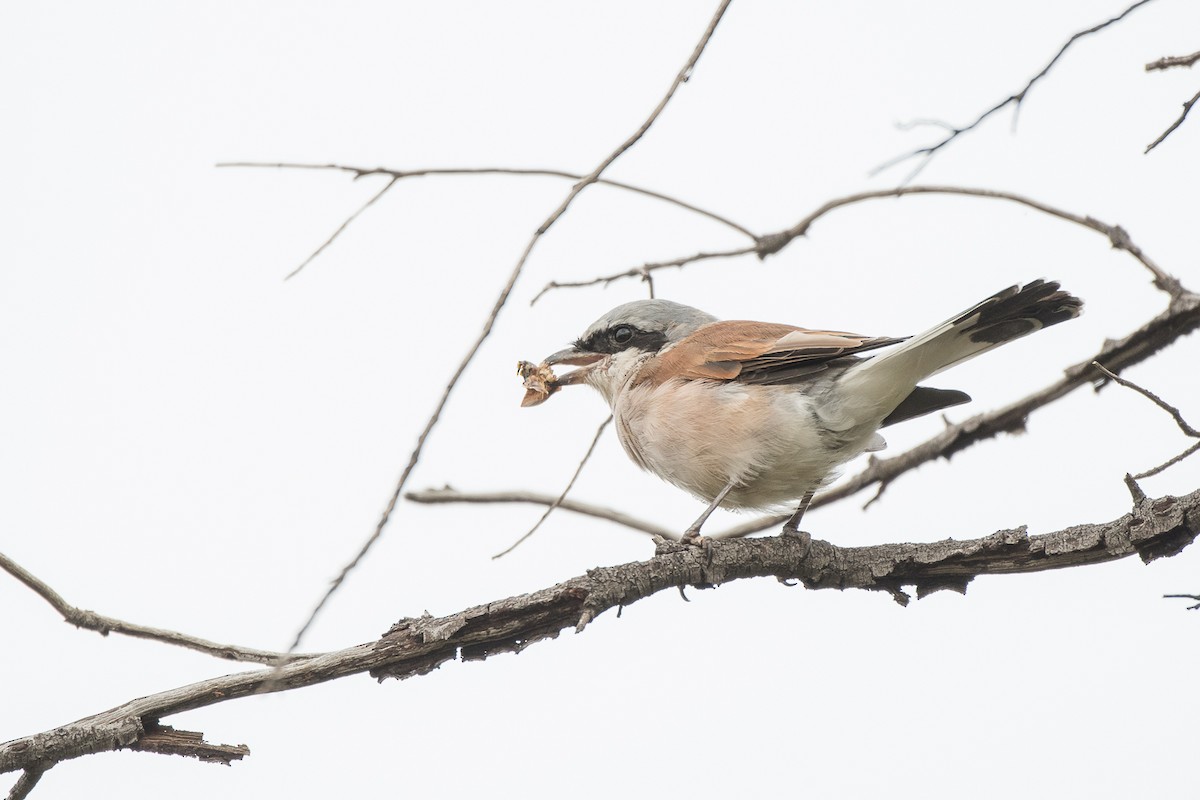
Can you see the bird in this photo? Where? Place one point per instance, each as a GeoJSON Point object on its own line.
{"type": "Point", "coordinates": [757, 415]}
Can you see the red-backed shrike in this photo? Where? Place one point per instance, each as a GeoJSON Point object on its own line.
{"type": "Point", "coordinates": [755, 415]}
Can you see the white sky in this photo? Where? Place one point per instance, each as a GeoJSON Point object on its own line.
{"type": "Point", "coordinates": [189, 442]}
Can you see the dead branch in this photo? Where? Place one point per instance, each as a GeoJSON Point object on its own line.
{"type": "Point", "coordinates": [1166, 62]}
{"type": "Point", "coordinates": [1187, 107]}
{"type": "Point", "coordinates": [29, 779]}
{"type": "Point", "coordinates": [1195, 597]}
{"type": "Point", "coordinates": [927, 153]}
{"type": "Point", "coordinates": [1155, 528]}
{"type": "Point", "coordinates": [1187, 429]}
{"type": "Point", "coordinates": [90, 620]}
{"type": "Point", "coordinates": [772, 243]}
{"type": "Point", "coordinates": [449, 495]}
{"type": "Point", "coordinates": [645, 270]}
{"type": "Point", "coordinates": [401, 174]}
{"type": "Point", "coordinates": [501, 301]}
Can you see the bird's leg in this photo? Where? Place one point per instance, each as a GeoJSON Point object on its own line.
{"type": "Point", "coordinates": [792, 526]}
{"type": "Point", "coordinates": [692, 534]}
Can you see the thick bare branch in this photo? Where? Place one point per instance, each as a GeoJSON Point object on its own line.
{"type": "Point", "coordinates": [1155, 528]}
{"type": "Point", "coordinates": [90, 620]}
{"type": "Point", "coordinates": [926, 153]}
{"type": "Point", "coordinates": [501, 301]}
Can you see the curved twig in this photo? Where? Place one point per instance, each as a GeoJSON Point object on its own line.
{"type": "Point", "coordinates": [562, 495]}
{"type": "Point", "coordinates": [927, 153]}
{"type": "Point", "coordinates": [1156, 528]}
{"type": "Point", "coordinates": [90, 620]}
{"type": "Point", "coordinates": [772, 243]}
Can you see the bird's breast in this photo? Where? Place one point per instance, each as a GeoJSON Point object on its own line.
{"type": "Point", "coordinates": [700, 435]}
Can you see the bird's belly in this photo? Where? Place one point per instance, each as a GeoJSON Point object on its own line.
{"type": "Point", "coordinates": [700, 435]}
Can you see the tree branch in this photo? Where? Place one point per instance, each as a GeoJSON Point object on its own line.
{"type": "Point", "coordinates": [29, 779]}
{"type": "Point", "coordinates": [1155, 528]}
{"type": "Point", "coordinates": [501, 300]}
{"type": "Point", "coordinates": [449, 495]}
{"type": "Point", "coordinates": [772, 243]}
{"type": "Point", "coordinates": [1166, 62]}
{"type": "Point", "coordinates": [927, 153]}
{"type": "Point", "coordinates": [90, 620]}
{"type": "Point", "coordinates": [644, 271]}
{"type": "Point", "coordinates": [401, 174]}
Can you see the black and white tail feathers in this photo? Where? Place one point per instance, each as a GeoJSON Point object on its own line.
{"type": "Point", "coordinates": [888, 382]}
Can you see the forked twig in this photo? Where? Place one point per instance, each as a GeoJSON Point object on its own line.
{"type": "Point", "coordinates": [927, 153]}
{"type": "Point", "coordinates": [1187, 429]}
{"type": "Point", "coordinates": [401, 174]}
{"type": "Point", "coordinates": [90, 620]}
{"type": "Point", "coordinates": [772, 243]}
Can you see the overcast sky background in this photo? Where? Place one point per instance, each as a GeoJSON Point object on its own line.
{"type": "Point", "coordinates": [188, 441]}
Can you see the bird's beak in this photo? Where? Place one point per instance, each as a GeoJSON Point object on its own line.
{"type": "Point", "coordinates": [576, 358]}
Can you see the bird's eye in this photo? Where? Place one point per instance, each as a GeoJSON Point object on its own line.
{"type": "Point", "coordinates": [622, 334]}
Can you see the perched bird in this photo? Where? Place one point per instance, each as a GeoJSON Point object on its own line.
{"type": "Point", "coordinates": [755, 415]}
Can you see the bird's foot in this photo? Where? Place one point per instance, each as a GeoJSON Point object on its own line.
{"type": "Point", "coordinates": [804, 536]}
{"type": "Point", "coordinates": [692, 538]}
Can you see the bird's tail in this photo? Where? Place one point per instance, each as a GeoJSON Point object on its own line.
{"type": "Point", "coordinates": [879, 384]}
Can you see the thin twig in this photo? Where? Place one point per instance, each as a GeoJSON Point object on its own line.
{"type": "Point", "coordinates": [1153, 398]}
{"type": "Point", "coordinates": [90, 620]}
{"type": "Point", "coordinates": [1187, 107]}
{"type": "Point", "coordinates": [644, 271]}
{"type": "Point", "coordinates": [563, 495]}
{"type": "Point", "coordinates": [1166, 62]}
{"type": "Point", "coordinates": [340, 228]}
{"type": "Point", "coordinates": [1150, 473]}
{"type": "Point", "coordinates": [400, 174]}
{"type": "Point", "coordinates": [1187, 429]}
{"type": "Point", "coordinates": [1195, 597]}
{"type": "Point", "coordinates": [501, 300]}
{"type": "Point", "coordinates": [927, 153]}
{"type": "Point", "coordinates": [448, 495]}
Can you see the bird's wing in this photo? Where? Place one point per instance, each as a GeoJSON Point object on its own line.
{"type": "Point", "coordinates": [758, 352]}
